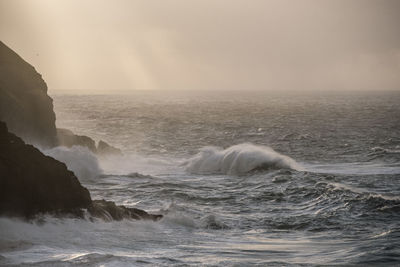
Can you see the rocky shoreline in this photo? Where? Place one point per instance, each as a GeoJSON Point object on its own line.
{"type": "Point", "coordinates": [32, 183]}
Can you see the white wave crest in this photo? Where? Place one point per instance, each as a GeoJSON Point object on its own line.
{"type": "Point", "coordinates": [238, 159]}
{"type": "Point", "coordinates": [78, 159]}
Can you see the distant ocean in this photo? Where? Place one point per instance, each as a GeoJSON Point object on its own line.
{"type": "Point", "coordinates": [242, 179]}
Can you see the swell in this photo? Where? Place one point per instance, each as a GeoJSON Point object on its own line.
{"type": "Point", "coordinates": [238, 159]}
{"type": "Point", "coordinates": [385, 154]}
{"type": "Point", "coordinates": [316, 203]}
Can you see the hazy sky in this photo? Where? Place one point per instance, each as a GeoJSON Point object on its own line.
{"type": "Point", "coordinates": [98, 45]}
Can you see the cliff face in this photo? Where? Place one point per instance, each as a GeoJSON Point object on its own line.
{"type": "Point", "coordinates": [28, 110]}
{"type": "Point", "coordinates": [24, 103]}
{"type": "Point", "coordinates": [32, 183]}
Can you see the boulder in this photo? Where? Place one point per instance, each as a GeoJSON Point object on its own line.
{"type": "Point", "coordinates": [24, 103]}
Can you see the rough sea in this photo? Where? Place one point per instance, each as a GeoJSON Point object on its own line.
{"type": "Point", "coordinates": [242, 179]}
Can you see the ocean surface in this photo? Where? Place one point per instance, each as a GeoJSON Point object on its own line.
{"type": "Point", "coordinates": [242, 179]}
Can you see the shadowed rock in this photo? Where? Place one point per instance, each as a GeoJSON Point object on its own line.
{"type": "Point", "coordinates": [68, 138]}
{"type": "Point", "coordinates": [28, 110]}
{"type": "Point", "coordinates": [24, 103]}
{"type": "Point", "coordinates": [32, 183]}
{"type": "Point", "coordinates": [108, 210]}
{"type": "Point", "coordinates": [106, 149]}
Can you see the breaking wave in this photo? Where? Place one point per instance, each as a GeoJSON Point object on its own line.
{"type": "Point", "coordinates": [238, 159]}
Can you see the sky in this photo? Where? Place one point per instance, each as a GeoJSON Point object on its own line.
{"type": "Point", "coordinates": [269, 45]}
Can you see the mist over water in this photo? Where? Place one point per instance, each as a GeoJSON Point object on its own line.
{"type": "Point", "coordinates": [78, 159]}
{"type": "Point", "coordinates": [241, 179]}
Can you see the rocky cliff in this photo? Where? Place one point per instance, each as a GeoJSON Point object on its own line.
{"type": "Point", "coordinates": [24, 103]}
{"type": "Point", "coordinates": [32, 183]}
{"type": "Point", "coordinates": [28, 110]}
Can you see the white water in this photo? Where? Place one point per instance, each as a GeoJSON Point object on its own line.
{"type": "Point", "coordinates": [135, 163]}
{"type": "Point", "coordinates": [238, 159]}
{"type": "Point", "coordinates": [332, 213]}
{"type": "Point", "coordinates": [73, 240]}
{"type": "Point", "coordinates": [78, 159]}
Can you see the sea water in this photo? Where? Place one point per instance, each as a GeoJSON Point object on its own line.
{"type": "Point", "coordinates": [241, 179]}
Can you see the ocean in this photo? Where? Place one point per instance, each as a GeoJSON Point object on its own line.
{"type": "Point", "coordinates": [242, 179]}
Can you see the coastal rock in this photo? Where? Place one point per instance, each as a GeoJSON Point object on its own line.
{"type": "Point", "coordinates": [67, 138]}
{"type": "Point", "coordinates": [28, 110]}
{"type": "Point", "coordinates": [24, 103]}
{"type": "Point", "coordinates": [108, 211]}
{"type": "Point", "coordinates": [32, 183]}
{"type": "Point", "coordinates": [106, 149]}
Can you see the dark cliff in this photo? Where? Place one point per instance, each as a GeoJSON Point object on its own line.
{"type": "Point", "coordinates": [24, 103]}
{"type": "Point", "coordinates": [32, 183]}
{"type": "Point", "coordinates": [28, 110]}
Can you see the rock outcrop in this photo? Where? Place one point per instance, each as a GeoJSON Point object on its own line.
{"type": "Point", "coordinates": [106, 149]}
{"type": "Point", "coordinates": [28, 110]}
{"type": "Point", "coordinates": [24, 103]}
{"type": "Point", "coordinates": [32, 183]}
{"type": "Point", "coordinates": [67, 138]}
{"type": "Point", "coordinates": [108, 211]}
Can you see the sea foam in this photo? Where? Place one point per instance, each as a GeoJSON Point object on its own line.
{"type": "Point", "coordinates": [238, 159]}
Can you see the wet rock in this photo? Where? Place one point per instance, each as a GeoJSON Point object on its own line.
{"type": "Point", "coordinates": [108, 211]}
{"type": "Point", "coordinates": [32, 183]}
